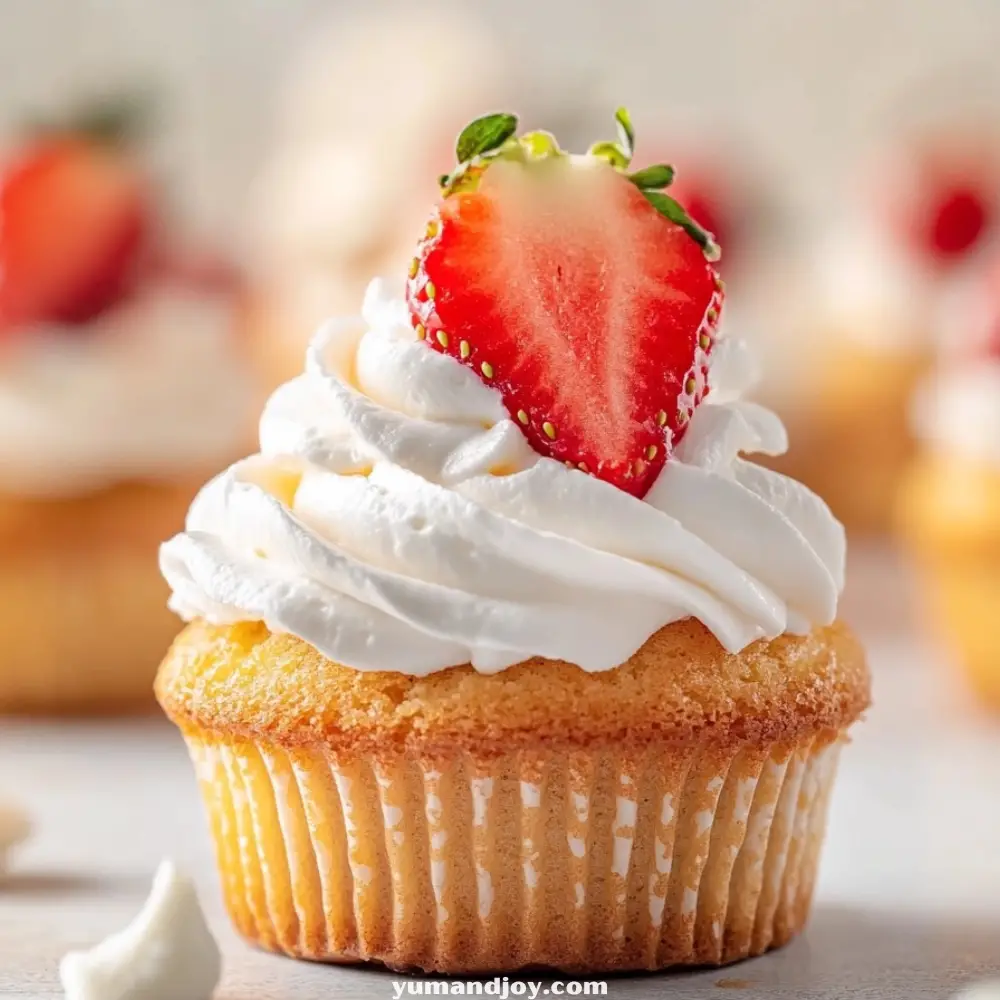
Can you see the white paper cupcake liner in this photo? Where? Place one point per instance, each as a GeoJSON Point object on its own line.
{"type": "Point", "coordinates": [578, 861]}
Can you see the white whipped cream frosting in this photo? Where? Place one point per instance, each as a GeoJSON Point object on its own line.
{"type": "Point", "coordinates": [166, 953]}
{"type": "Point", "coordinates": [957, 411]}
{"type": "Point", "coordinates": [872, 290]}
{"type": "Point", "coordinates": [424, 531]}
{"type": "Point", "coordinates": [149, 390]}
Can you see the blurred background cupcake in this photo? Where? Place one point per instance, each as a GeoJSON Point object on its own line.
{"type": "Point", "coordinates": [306, 143]}
{"type": "Point", "coordinates": [368, 116]}
{"type": "Point", "coordinates": [949, 507]}
{"type": "Point", "coordinates": [907, 220]}
{"type": "Point", "coordinates": [122, 383]}
{"type": "Point", "coordinates": [370, 111]}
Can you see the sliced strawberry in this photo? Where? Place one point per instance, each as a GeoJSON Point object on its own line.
{"type": "Point", "coordinates": [590, 312]}
{"type": "Point", "coordinates": [72, 225]}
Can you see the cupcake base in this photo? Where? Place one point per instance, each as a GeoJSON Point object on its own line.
{"type": "Point", "coordinates": [83, 608]}
{"type": "Point", "coordinates": [949, 514]}
{"type": "Point", "coordinates": [855, 444]}
{"type": "Point", "coordinates": [964, 601]}
{"type": "Point", "coordinates": [573, 860]}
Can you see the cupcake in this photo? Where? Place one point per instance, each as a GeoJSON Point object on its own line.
{"type": "Point", "coordinates": [121, 384]}
{"type": "Point", "coordinates": [949, 506]}
{"type": "Point", "coordinates": [499, 654]}
{"type": "Point", "coordinates": [335, 201]}
{"type": "Point", "coordinates": [881, 277]}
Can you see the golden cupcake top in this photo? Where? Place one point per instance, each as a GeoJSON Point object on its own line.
{"type": "Point", "coordinates": [244, 681]}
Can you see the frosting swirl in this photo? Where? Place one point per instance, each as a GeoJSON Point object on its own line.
{"type": "Point", "coordinates": [148, 390]}
{"type": "Point", "coordinates": [873, 291]}
{"type": "Point", "coordinates": [957, 410]}
{"type": "Point", "coordinates": [396, 518]}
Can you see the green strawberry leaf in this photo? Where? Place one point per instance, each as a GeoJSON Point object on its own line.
{"type": "Point", "coordinates": [674, 211]}
{"type": "Point", "coordinates": [484, 134]}
{"type": "Point", "coordinates": [117, 120]}
{"type": "Point", "coordinates": [659, 176]}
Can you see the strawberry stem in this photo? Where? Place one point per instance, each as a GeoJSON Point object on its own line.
{"type": "Point", "coordinates": [612, 152]}
{"type": "Point", "coordinates": [674, 211]}
{"type": "Point", "coordinates": [114, 120]}
{"type": "Point", "coordinates": [494, 136]}
{"type": "Point", "coordinates": [626, 134]}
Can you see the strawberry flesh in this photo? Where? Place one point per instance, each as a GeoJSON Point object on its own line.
{"type": "Point", "coordinates": [591, 313]}
{"type": "Point", "coordinates": [72, 227]}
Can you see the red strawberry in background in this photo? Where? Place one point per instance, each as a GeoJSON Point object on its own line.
{"type": "Point", "coordinates": [991, 329]}
{"type": "Point", "coordinates": [73, 228]}
{"type": "Point", "coordinates": [942, 198]}
{"type": "Point", "coordinates": [974, 322]}
{"type": "Point", "coordinates": [956, 218]}
{"type": "Point", "coordinates": [993, 344]}
{"type": "Point", "coordinates": [197, 270]}
{"type": "Point", "coordinates": [582, 293]}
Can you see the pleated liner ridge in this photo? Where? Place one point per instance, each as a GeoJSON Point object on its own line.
{"type": "Point", "coordinates": [576, 861]}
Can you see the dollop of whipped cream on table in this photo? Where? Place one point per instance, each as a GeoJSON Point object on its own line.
{"type": "Point", "coordinates": [957, 410]}
{"type": "Point", "coordinates": [988, 989]}
{"type": "Point", "coordinates": [149, 390]}
{"type": "Point", "coordinates": [166, 953]}
{"type": "Point", "coordinates": [396, 518]}
{"type": "Point", "coordinates": [15, 828]}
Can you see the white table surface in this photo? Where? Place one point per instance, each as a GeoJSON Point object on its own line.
{"type": "Point", "coordinates": [908, 904]}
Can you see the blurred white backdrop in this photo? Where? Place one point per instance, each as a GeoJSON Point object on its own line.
{"type": "Point", "coordinates": [857, 65]}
